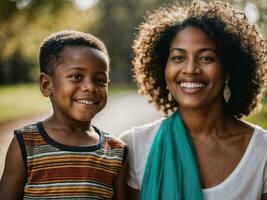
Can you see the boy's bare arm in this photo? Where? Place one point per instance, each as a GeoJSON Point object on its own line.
{"type": "Point", "coordinates": [13, 178]}
{"type": "Point", "coordinates": [120, 185]}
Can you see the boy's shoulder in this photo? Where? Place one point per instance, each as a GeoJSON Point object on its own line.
{"type": "Point", "coordinates": [111, 140]}
{"type": "Point", "coordinates": [28, 135]}
{"type": "Point", "coordinates": [116, 145]}
{"type": "Point", "coordinates": [30, 128]}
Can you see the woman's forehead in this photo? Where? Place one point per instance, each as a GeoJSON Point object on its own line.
{"type": "Point", "coordinates": [192, 37]}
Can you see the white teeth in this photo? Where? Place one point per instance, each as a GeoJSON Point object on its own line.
{"type": "Point", "coordinates": [191, 85]}
{"type": "Point", "coordinates": [86, 102]}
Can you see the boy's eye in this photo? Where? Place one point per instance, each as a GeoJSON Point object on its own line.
{"type": "Point", "coordinates": [101, 82]}
{"type": "Point", "coordinates": [76, 77]}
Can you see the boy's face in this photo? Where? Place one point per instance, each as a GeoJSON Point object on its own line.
{"type": "Point", "coordinates": [79, 83]}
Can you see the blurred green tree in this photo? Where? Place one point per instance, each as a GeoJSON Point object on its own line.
{"type": "Point", "coordinates": [24, 24]}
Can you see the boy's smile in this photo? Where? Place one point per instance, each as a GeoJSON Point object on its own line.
{"type": "Point", "coordinates": [86, 102]}
{"type": "Point", "coordinates": [79, 83]}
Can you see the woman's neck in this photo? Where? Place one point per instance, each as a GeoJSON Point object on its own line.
{"type": "Point", "coordinates": [202, 123]}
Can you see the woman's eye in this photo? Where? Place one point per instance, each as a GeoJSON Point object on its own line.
{"type": "Point", "coordinates": [178, 58]}
{"type": "Point", "coordinates": [76, 77]}
{"type": "Point", "coordinates": [207, 59]}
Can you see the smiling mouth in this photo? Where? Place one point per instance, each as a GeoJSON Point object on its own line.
{"type": "Point", "coordinates": [86, 102]}
{"type": "Point", "coordinates": [191, 85]}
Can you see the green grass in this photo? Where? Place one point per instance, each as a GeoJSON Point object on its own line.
{"type": "Point", "coordinates": [24, 100]}
{"type": "Point", "coordinates": [21, 101]}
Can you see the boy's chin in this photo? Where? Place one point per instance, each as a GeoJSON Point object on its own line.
{"type": "Point", "coordinates": [84, 118]}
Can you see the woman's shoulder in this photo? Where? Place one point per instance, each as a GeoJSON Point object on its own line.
{"type": "Point", "coordinates": [257, 135]}
{"type": "Point", "coordinates": [139, 140]}
{"type": "Point", "coordinates": [141, 132]}
{"type": "Point", "coordinates": [257, 145]}
{"type": "Point", "coordinates": [260, 136]}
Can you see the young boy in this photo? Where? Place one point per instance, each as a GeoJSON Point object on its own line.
{"type": "Point", "coordinates": [64, 156]}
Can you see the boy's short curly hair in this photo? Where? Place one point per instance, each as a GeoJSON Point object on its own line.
{"type": "Point", "coordinates": [54, 44]}
{"type": "Point", "coordinates": [242, 51]}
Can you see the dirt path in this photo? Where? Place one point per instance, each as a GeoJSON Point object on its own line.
{"type": "Point", "coordinates": [122, 112]}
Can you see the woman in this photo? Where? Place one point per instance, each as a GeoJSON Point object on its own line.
{"type": "Point", "coordinates": [205, 66]}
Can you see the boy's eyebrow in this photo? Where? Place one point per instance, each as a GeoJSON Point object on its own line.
{"type": "Point", "coordinates": [102, 73]}
{"type": "Point", "coordinates": [75, 68]}
{"type": "Point", "coordinates": [70, 68]}
{"type": "Point", "coordinates": [82, 69]}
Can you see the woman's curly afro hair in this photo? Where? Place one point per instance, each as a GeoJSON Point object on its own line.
{"type": "Point", "coordinates": [242, 51]}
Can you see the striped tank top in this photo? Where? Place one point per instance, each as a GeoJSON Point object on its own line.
{"type": "Point", "coordinates": [57, 171]}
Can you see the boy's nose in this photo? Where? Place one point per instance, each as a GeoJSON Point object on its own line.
{"type": "Point", "coordinates": [89, 86]}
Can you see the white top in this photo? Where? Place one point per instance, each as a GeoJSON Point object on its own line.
{"type": "Point", "coordinates": [248, 181]}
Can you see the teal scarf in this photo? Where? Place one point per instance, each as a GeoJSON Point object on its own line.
{"type": "Point", "coordinates": [171, 169]}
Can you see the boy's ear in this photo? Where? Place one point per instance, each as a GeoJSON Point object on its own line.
{"type": "Point", "coordinates": [45, 84]}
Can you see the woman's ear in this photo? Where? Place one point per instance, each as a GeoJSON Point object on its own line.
{"type": "Point", "coordinates": [45, 84]}
{"type": "Point", "coordinates": [227, 76]}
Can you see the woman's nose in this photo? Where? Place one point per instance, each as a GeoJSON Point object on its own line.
{"type": "Point", "coordinates": [191, 67]}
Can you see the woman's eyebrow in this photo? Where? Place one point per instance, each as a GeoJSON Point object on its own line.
{"type": "Point", "coordinates": [207, 49]}
{"type": "Point", "coordinates": [200, 50]}
{"type": "Point", "coordinates": [177, 49]}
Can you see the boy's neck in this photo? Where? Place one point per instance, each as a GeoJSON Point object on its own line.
{"type": "Point", "coordinates": [70, 132]}
{"type": "Point", "coordinates": [68, 125]}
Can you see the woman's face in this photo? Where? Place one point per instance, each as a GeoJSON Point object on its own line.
{"type": "Point", "coordinates": [194, 75]}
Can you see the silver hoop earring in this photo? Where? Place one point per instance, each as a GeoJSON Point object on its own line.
{"type": "Point", "coordinates": [226, 92]}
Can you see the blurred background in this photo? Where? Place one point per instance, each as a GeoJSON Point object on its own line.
{"type": "Point", "coordinates": [25, 23]}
